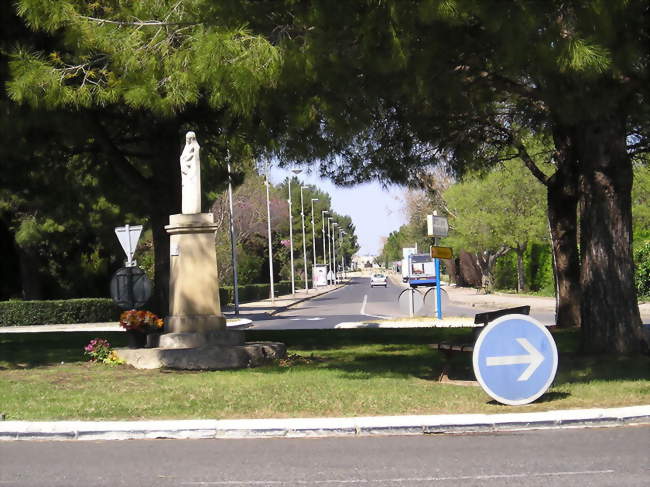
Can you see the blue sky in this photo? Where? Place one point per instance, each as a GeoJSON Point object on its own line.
{"type": "Point", "coordinates": [374, 211]}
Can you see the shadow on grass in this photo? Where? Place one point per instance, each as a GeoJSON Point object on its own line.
{"type": "Point", "coordinates": [546, 397]}
{"type": "Point", "coordinates": [358, 353]}
{"type": "Point", "coordinates": [29, 350]}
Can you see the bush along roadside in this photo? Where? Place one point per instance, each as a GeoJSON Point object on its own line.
{"type": "Point", "coordinates": [84, 310]}
{"type": "Point", "coordinates": [98, 310]}
{"type": "Point", "coordinates": [256, 292]}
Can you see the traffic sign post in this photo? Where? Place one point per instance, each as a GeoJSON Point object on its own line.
{"type": "Point", "coordinates": [441, 252]}
{"type": "Point", "coordinates": [130, 288]}
{"type": "Point", "coordinates": [128, 236]}
{"type": "Point", "coordinates": [515, 359]}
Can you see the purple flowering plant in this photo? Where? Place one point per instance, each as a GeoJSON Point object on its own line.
{"type": "Point", "coordinates": [100, 350]}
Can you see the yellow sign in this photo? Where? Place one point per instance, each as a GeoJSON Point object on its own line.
{"type": "Point", "coordinates": [442, 252]}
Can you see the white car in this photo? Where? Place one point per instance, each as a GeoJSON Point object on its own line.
{"type": "Point", "coordinates": [378, 280]}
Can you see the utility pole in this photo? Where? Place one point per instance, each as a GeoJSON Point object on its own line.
{"type": "Point", "coordinates": [341, 233]}
{"type": "Point", "coordinates": [313, 235]}
{"type": "Point", "coordinates": [233, 245]}
{"type": "Point", "coordinates": [304, 243]}
{"type": "Point", "coordinates": [268, 220]}
{"type": "Point", "coordinates": [323, 212]}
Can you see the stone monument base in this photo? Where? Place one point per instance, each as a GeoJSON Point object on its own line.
{"type": "Point", "coordinates": [216, 350]}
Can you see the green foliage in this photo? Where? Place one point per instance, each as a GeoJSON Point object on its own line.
{"type": "Point", "coordinates": [89, 310]}
{"type": "Point", "coordinates": [641, 204]}
{"type": "Point", "coordinates": [539, 268]}
{"type": "Point", "coordinates": [256, 292]}
{"type": "Point", "coordinates": [642, 260]}
{"type": "Point", "coordinates": [169, 61]}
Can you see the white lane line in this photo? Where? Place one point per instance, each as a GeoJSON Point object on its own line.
{"type": "Point", "coordinates": [404, 480]}
{"type": "Point", "coordinates": [363, 306]}
{"type": "Point", "coordinates": [363, 310]}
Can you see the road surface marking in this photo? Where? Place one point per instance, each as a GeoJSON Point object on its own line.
{"type": "Point", "coordinates": [403, 480]}
{"type": "Point", "coordinates": [363, 306]}
{"type": "Point", "coordinates": [534, 358]}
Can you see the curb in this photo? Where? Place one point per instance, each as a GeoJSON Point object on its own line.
{"type": "Point", "coordinates": [323, 427]}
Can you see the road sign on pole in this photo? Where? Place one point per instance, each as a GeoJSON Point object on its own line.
{"type": "Point", "coordinates": [128, 236]}
{"type": "Point", "coordinates": [515, 359]}
{"type": "Point", "coordinates": [437, 226]}
{"type": "Point", "coordinates": [441, 252]}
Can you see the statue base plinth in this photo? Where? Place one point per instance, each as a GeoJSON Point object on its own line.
{"type": "Point", "coordinates": [194, 323]}
{"type": "Point", "coordinates": [193, 281]}
{"type": "Point", "coordinates": [209, 356]}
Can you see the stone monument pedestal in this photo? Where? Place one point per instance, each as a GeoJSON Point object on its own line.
{"type": "Point", "coordinates": [196, 337]}
{"type": "Point", "coordinates": [194, 305]}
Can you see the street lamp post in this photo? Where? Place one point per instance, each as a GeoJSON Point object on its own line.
{"type": "Point", "coordinates": [233, 245]}
{"type": "Point", "coordinates": [322, 217]}
{"type": "Point", "coordinates": [313, 236]}
{"type": "Point", "coordinates": [268, 220]}
{"type": "Point", "coordinates": [341, 233]}
{"type": "Point", "coordinates": [304, 243]}
{"type": "Point", "coordinates": [329, 246]}
{"type": "Point", "coordinates": [334, 225]}
{"type": "Point", "coordinates": [293, 282]}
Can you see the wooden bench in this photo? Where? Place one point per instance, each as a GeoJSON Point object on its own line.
{"type": "Point", "coordinates": [481, 319]}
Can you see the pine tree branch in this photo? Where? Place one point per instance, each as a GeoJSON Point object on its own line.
{"type": "Point", "coordinates": [506, 84]}
{"type": "Point", "coordinates": [523, 154]}
{"type": "Point", "coordinates": [139, 23]}
{"type": "Point", "coordinates": [125, 170]}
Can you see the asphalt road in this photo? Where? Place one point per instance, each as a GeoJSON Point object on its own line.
{"type": "Point", "coordinates": [594, 457]}
{"type": "Point", "coordinates": [359, 302]}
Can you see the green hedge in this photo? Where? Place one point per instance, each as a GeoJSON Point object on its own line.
{"type": "Point", "coordinates": [256, 292]}
{"type": "Point", "coordinates": [85, 310]}
{"type": "Point", "coordinates": [96, 310]}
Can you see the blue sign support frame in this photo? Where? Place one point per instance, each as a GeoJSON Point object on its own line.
{"type": "Point", "coordinates": [438, 293]}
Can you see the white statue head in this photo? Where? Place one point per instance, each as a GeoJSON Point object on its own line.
{"type": "Point", "coordinates": [190, 137]}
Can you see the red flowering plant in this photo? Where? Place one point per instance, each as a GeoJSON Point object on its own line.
{"type": "Point", "coordinates": [142, 321]}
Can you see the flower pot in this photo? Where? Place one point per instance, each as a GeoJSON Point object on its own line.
{"type": "Point", "coordinates": [153, 339]}
{"type": "Point", "coordinates": [136, 339]}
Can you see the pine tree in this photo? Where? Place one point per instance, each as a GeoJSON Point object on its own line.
{"type": "Point", "coordinates": [137, 75]}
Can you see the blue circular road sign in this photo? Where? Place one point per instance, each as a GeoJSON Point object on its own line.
{"type": "Point", "coordinates": [515, 359]}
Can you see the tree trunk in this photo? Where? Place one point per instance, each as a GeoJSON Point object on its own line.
{"type": "Point", "coordinates": [521, 278]}
{"type": "Point", "coordinates": [610, 314]}
{"type": "Point", "coordinates": [562, 198]}
{"type": "Point", "coordinates": [30, 275]}
{"type": "Point", "coordinates": [165, 201]}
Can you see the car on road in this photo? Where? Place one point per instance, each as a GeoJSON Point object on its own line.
{"type": "Point", "coordinates": [378, 280]}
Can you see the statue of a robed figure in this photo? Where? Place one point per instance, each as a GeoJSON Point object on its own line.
{"type": "Point", "coordinates": [191, 175]}
{"type": "Point", "coordinates": [195, 335]}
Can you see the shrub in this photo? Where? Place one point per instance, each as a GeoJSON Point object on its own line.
{"type": "Point", "coordinates": [642, 261]}
{"type": "Point", "coordinates": [85, 310]}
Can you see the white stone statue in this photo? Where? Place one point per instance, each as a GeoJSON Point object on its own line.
{"type": "Point", "coordinates": [191, 175]}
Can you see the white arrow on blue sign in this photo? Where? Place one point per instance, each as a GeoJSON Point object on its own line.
{"type": "Point", "coordinates": [515, 359]}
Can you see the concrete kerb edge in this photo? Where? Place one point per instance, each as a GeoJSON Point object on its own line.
{"type": "Point", "coordinates": [322, 427]}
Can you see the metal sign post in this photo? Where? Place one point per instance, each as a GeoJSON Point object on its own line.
{"type": "Point", "coordinates": [437, 227]}
{"type": "Point", "coordinates": [128, 236]}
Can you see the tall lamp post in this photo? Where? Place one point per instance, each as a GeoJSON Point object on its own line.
{"type": "Point", "coordinates": [293, 282]}
{"type": "Point", "coordinates": [341, 233]}
{"type": "Point", "coordinates": [334, 225]}
{"type": "Point", "coordinates": [233, 245]}
{"type": "Point", "coordinates": [322, 217]}
{"type": "Point", "coordinates": [268, 220]}
{"type": "Point", "coordinates": [329, 245]}
{"type": "Point", "coordinates": [304, 242]}
{"type": "Point", "coordinates": [313, 235]}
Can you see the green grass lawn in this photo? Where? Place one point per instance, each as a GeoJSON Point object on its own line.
{"type": "Point", "coordinates": [328, 373]}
